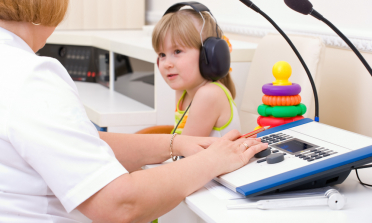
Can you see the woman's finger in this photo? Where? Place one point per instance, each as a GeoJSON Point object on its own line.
{"type": "Point", "coordinates": [249, 141]}
{"type": "Point", "coordinates": [244, 145]}
{"type": "Point", "coordinates": [252, 150]}
{"type": "Point", "coordinates": [232, 135]}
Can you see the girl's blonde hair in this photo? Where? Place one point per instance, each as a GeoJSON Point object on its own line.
{"type": "Point", "coordinates": [181, 27]}
{"type": "Point", "coordinates": [44, 12]}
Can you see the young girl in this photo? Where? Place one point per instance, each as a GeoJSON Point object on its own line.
{"type": "Point", "coordinates": [177, 40]}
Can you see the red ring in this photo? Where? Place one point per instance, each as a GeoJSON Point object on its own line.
{"type": "Point", "coordinates": [273, 122]}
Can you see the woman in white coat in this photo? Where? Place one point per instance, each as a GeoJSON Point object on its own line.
{"type": "Point", "coordinates": [55, 166]}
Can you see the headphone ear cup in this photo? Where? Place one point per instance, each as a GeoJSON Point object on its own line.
{"type": "Point", "coordinates": [214, 59]}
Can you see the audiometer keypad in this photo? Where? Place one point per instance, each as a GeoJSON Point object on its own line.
{"type": "Point", "coordinates": [281, 143]}
{"type": "Point", "coordinates": [274, 138]}
{"type": "Point", "coordinates": [315, 154]}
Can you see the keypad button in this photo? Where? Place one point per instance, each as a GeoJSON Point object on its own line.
{"type": "Point", "coordinates": [318, 157]}
{"type": "Point", "coordinates": [262, 160]}
{"type": "Point", "coordinates": [309, 160]}
{"type": "Point", "coordinates": [275, 151]}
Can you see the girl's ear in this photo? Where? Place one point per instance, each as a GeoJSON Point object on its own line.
{"type": "Point", "coordinates": [157, 62]}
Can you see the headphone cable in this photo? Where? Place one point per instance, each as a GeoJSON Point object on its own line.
{"type": "Point", "coordinates": [174, 130]}
{"type": "Point", "coordinates": [356, 171]}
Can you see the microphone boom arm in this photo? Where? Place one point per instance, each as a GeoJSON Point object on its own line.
{"type": "Point", "coordinates": [344, 38]}
{"type": "Point", "coordinates": [255, 8]}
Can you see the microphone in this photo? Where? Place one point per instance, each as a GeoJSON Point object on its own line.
{"type": "Point", "coordinates": [305, 7]}
{"type": "Point", "coordinates": [255, 8]}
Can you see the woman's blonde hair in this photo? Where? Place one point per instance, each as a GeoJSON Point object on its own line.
{"type": "Point", "coordinates": [44, 12]}
{"type": "Point", "coordinates": [180, 26]}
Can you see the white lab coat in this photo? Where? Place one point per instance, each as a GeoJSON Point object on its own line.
{"type": "Point", "coordinates": [51, 156]}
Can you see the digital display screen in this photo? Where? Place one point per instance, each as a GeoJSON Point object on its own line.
{"type": "Point", "coordinates": [294, 146]}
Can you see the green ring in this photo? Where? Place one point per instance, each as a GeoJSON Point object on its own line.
{"type": "Point", "coordinates": [282, 111]}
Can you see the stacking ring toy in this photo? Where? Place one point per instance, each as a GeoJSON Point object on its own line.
{"type": "Point", "coordinates": [283, 90]}
{"type": "Point", "coordinates": [273, 122]}
{"type": "Point", "coordinates": [281, 100]}
{"type": "Point", "coordinates": [282, 111]}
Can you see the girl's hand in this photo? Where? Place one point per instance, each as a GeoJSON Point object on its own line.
{"type": "Point", "coordinates": [230, 153]}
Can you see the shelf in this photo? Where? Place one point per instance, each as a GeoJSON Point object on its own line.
{"type": "Point", "coordinates": [134, 43]}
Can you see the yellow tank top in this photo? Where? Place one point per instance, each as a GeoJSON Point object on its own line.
{"type": "Point", "coordinates": [179, 113]}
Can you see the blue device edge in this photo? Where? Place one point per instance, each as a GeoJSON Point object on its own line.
{"type": "Point", "coordinates": [305, 171]}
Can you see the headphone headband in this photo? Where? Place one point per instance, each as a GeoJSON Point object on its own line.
{"type": "Point", "coordinates": [195, 5]}
{"type": "Point", "coordinates": [214, 59]}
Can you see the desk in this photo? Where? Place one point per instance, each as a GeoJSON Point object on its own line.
{"type": "Point", "coordinates": [202, 206]}
{"type": "Point", "coordinates": [124, 114]}
{"type": "Point", "coordinates": [110, 108]}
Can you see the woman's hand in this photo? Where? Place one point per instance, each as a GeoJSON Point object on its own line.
{"type": "Point", "coordinates": [230, 153]}
{"type": "Point", "coordinates": [189, 145]}
{"type": "Point", "coordinates": [253, 136]}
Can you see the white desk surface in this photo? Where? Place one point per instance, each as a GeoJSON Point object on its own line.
{"type": "Point", "coordinates": [110, 108]}
{"type": "Point", "coordinates": [134, 43]}
{"type": "Point", "coordinates": [357, 210]}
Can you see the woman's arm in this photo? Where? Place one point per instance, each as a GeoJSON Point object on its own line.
{"type": "Point", "coordinates": [145, 195]}
{"type": "Point", "coordinates": [136, 150]}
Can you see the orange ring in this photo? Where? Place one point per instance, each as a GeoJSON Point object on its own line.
{"type": "Point", "coordinates": [281, 100]}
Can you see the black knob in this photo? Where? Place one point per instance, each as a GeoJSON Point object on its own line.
{"type": "Point", "coordinates": [62, 51]}
{"type": "Point", "coordinates": [263, 153]}
{"type": "Point", "coordinates": [275, 158]}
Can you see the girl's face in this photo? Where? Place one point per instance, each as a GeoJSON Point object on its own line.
{"type": "Point", "coordinates": [179, 66]}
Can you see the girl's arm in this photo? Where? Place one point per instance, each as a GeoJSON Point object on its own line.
{"type": "Point", "coordinates": [145, 195]}
{"type": "Point", "coordinates": [208, 106]}
{"type": "Point", "coordinates": [136, 150]}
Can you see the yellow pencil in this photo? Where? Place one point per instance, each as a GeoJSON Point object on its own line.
{"type": "Point", "coordinates": [255, 132]}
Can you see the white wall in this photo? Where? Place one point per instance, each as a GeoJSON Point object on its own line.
{"type": "Point", "coordinates": [104, 14]}
{"type": "Point", "coordinates": [353, 18]}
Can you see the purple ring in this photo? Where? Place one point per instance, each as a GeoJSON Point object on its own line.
{"type": "Point", "coordinates": [281, 90]}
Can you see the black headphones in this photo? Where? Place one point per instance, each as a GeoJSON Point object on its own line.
{"type": "Point", "coordinates": [214, 60]}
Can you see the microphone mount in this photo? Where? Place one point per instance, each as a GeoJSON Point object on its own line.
{"type": "Point", "coordinates": [255, 8]}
